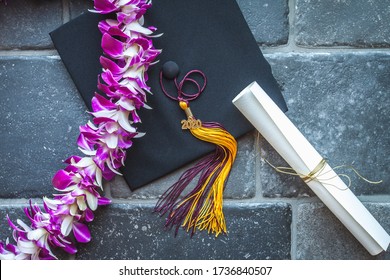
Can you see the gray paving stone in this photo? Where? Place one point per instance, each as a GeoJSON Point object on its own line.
{"type": "Point", "coordinates": [255, 231]}
{"type": "Point", "coordinates": [357, 23]}
{"type": "Point", "coordinates": [22, 27]}
{"type": "Point", "coordinates": [40, 115]}
{"type": "Point", "coordinates": [241, 183]}
{"type": "Point", "coordinates": [320, 235]}
{"type": "Point", "coordinates": [16, 212]}
{"type": "Point", "coordinates": [339, 101]}
{"type": "Point", "coordinates": [268, 20]}
{"type": "Point", "coordinates": [77, 7]}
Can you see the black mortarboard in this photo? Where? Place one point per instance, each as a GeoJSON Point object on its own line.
{"type": "Point", "coordinates": [211, 36]}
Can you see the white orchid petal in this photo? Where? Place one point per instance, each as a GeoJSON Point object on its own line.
{"type": "Point", "coordinates": [111, 140]}
{"type": "Point", "coordinates": [148, 91]}
{"type": "Point", "coordinates": [23, 225]}
{"type": "Point", "coordinates": [84, 162]}
{"type": "Point", "coordinates": [36, 234]}
{"type": "Point", "coordinates": [134, 73]}
{"type": "Point", "coordinates": [111, 127]}
{"type": "Point", "coordinates": [106, 114]}
{"type": "Point", "coordinates": [155, 36]}
{"type": "Point", "coordinates": [91, 125]}
{"type": "Point", "coordinates": [146, 106]}
{"type": "Point", "coordinates": [112, 168]}
{"type": "Point", "coordinates": [92, 201]}
{"type": "Point", "coordinates": [35, 256]}
{"type": "Point", "coordinates": [68, 189]}
{"type": "Point", "coordinates": [22, 256]}
{"type": "Point", "coordinates": [43, 240]}
{"type": "Point", "coordinates": [51, 203]}
{"type": "Point", "coordinates": [63, 240]}
{"type": "Point", "coordinates": [27, 247]}
{"type": "Point", "coordinates": [88, 153]}
{"type": "Point", "coordinates": [141, 20]}
{"type": "Point", "coordinates": [112, 22]}
{"type": "Point", "coordinates": [7, 256]}
{"type": "Point", "coordinates": [123, 120]}
{"type": "Point", "coordinates": [81, 203]}
{"type": "Point", "coordinates": [99, 177]}
{"type": "Point", "coordinates": [131, 51]}
{"type": "Point", "coordinates": [123, 3]}
{"type": "Point", "coordinates": [66, 225]}
{"type": "Point", "coordinates": [137, 27]}
{"type": "Point", "coordinates": [126, 104]}
{"type": "Point", "coordinates": [73, 209]}
{"type": "Point", "coordinates": [139, 135]}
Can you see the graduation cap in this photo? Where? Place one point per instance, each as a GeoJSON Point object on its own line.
{"type": "Point", "coordinates": [210, 36]}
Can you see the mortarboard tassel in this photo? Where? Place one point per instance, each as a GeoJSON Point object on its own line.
{"type": "Point", "coordinates": [201, 208]}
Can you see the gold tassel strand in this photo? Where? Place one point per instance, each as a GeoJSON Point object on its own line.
{"type": "Point", "coordinates": [211, 216]}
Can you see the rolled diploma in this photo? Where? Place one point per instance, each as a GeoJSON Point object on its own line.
{"type": "Point", "coordinates": [289, 142]}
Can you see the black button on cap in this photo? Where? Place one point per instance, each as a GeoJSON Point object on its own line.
{"type": "Point", "coordinates": [170, 70]}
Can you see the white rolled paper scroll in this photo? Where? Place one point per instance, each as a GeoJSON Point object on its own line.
{"type": "Point", "coordinates": [289, 142]}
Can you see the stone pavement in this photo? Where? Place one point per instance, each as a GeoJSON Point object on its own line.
{"type": "Point", "coordinates": [332, 61]}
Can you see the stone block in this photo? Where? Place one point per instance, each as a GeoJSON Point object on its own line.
{"type": "Point", "coordinates": [77, 7]}
{"type": "Point", "coordinates": [22, 25]}
{"type": "Point", "coordinates": [255, 231]}
{"type": "Point", "coordinates": [40, 118]}
{"type": "Point", "coordinates": [356, 23]}
{"type": "Point", "coordinates": [320, 235]}
{"type": "Point", "coordinates": [268, 20]}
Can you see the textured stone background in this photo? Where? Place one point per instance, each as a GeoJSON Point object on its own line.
{"type": "Point", "coordinates": [331, 59]}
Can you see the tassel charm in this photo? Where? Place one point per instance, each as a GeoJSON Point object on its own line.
{"type": "Point", "coordinates": [190, 122]}
{"type": "Point", "coordinates": [202, 207]}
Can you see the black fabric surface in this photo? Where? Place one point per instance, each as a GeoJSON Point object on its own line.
{"type": "Point", "coordinates": [211, 36]}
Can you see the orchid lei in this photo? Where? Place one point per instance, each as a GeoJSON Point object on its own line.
{"type": "Point", "coordinates": [128, 53]}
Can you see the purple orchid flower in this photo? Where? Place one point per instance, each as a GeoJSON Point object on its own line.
{"type": "Point", "coordinates": [131, 88]}
{"type": "Point", "coordinates": [134, 11]}
{"type": "Point", "coordinates": [125, 6]}
{"type": "Point", "coordinates": [126, 31]}
{"type": "Point", "coordinates": [10, 252]}
{"type": "Point", "coordinates": [33, 242]}
{"type": "Point", "coordinates": [106, 6]}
